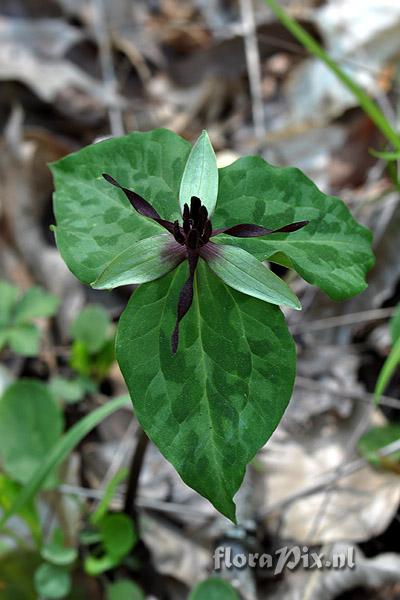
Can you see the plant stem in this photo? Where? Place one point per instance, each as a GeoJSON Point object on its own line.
{"type": "Point", "coordinates": [134, 473]}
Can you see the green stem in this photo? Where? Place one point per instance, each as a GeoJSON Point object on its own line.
{"type": "Point", "coordinates": [366, 103]}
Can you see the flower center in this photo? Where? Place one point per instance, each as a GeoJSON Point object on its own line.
{"type": "Point", "coordinates": [196, 229]}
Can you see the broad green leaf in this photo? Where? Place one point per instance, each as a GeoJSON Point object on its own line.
{"type": "Point", "coordinates": [108, 495]}
{"type": "Point", "coordinates": [118, 534]}
{"type": "Point", "coordinates": [144, 261]}
{"type": "Point", "coordinates": [35, 303]}
{"type": "Point", "coordinates": [200, 177]}
{"type": "Point", "coordinates": [91, 327]}
{"type": "Point", "coordinates": [395, 325]}
{"type": "Point", "coordinates": [95, 222]}
{"type": "Point", "coordinates": [60, 452]}
{"type": "Point", "coordinates": [52, 582]}
{"type": "Point", "coordinates": [385, 155]}
{"type": "Point", "coordinates": [30, 425]}
{"type": "Point", "coordinates": [124, 589]}
{"type": "Point", "coordinates": [24, 339]}
{"type": "Point", "coordinates": [8, 298]}
{"type": "Point", "coordinates": [210, 407]}
{"type": "Point", "coordinates": [333, 251]}
{"type": "Point", "coordinates": [375, 439]}
{"type": "Point", "coordinates": [244, 273]}
{"type": "Point", "coordinates": [386, 373]}
{"type": "Point", "coordinates": [214, 589]}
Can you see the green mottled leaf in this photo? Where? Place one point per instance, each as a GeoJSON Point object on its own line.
{"type": "Point", "coordinates": [91, 327]}
{"type": "Point", "coordinates": [333, 251]}
{"type": "Point", "coordinates": [214, 589]}
{"type": "Point", "coordinates": [244, 273]}
{"type": "Point", "coordinates": [124, 589]}
{"type": "Point", "coordinates": [200, 177]}
{"type": "Point", "coordinates": [24, 339]}
{"type": "Point", "coordinates": [375, 439]}
{"type": "Point", "coordinates": [35, 303]}
{"type": "Point", "coordinates": [210, 407]}
{"type": "Point", "coordinates": [144, 261]}
{"type": "Point", "coordinates": [30, 425]}
{"type": "Point", "coordinates": [95, 222]}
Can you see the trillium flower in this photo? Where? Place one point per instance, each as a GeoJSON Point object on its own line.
{"type": "Point", "coordinates": [193, 240]}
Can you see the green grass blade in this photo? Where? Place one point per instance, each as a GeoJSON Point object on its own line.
{"type": "Point", "coordinates": [385, 155]}
{"type": "Point", "coordinates": [385, 374]}
{"type": "Point", "coordinates": [60, 451]}
{"type": "Point", "coordinates": [366, 103]}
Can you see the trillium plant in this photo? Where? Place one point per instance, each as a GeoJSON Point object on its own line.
{"type": "Point", "coordinates": [202, 344]}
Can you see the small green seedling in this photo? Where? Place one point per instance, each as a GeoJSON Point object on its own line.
{"type": "Point", "coordinates": [18, 313]}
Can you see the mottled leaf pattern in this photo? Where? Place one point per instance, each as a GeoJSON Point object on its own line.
{"type": "Point", "coordinates": [95, 221]}
{"type": "Point", "coordinates": [333, 251]}
{"type": "Point", "coordinates": [212, 405]}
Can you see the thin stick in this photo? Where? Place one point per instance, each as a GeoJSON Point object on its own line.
{"type": "Point", "coordinates": [350, 319]}
{"type": "Point", "coordinates": [313, 386]}
{"type": "Point", "coordinates": [150, 504]}
{"type": "Point", "coordinates": [107, 66]}
{"type": "Point", "coordinates": [253, 66]}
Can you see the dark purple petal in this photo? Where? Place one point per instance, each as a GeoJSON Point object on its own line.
{"type": "Point", "coordinates": [141, 205]}
{"type": "Point", "coordinates": [246, 230]}
{"type": "Point", "coordinates": [185, 299]}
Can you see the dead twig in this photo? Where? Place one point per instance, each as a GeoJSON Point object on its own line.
{"type": "Point", "coordinates": [107, 66]}
{"type": "Point", "coordinates": [349, 319]}
{"type": "Point", "coordinates": [253, 66]}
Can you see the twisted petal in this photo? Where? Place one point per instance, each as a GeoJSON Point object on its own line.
{"type": "Point", "coordinates": [245, 230]}
{"type": "Point", "coordinates": [144, 261]}
{"type": "Point", "coordinates": [244, 273]}
{"type": "Point", "coordinates": [141, 205]}
{"type": "Point", "coordinates": [185, 299]}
